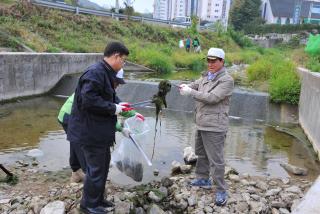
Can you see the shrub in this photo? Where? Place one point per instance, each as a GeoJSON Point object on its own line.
{"type": "Point", "coordinates": [261, 69]}
{"type": "Point", "coordinates": [155, 60]}
{"type": "Point", "coordinates": [313, 63]}
{"type": "Point", "coordinates": [285, 87]}
{"type": "Point", "coordinates": [284, 83]}
{"type": "Point", "coordinates": [192, 61]}
{"type": "Point", "coordinates": [240, 38]}
{"type": "Point", "coordinates": [243, 57]}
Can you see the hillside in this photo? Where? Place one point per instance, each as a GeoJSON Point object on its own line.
{"type": "Point", "coordinates": [49, 30]}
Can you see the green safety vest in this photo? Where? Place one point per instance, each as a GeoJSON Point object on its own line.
{"type": "Point", "coordinates": [67, 106]}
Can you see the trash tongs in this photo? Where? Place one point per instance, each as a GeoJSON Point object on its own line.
{"type": "Point", "coordinates": [141, 150]}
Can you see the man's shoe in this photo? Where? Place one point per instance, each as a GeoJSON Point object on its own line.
{"type": "Point", "coordinates": [95, 210]}
{"type": "Point", "coordinates": [77, 176]}
{"type": "Point", "coordinates": [106, 203]}
{"type": "Point", "coordinates": [221, 198]}
{"type": "Point", "coordinates": [201, 182]}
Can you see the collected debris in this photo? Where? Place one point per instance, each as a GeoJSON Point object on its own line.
{"type": "Point", "coordinates": [159, 99]}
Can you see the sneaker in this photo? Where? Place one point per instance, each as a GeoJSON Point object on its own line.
{"type": "Point", "coordinates": [77, 176]}
{"type": "Point", "coordinates": [221, 198]}
{"type": "Point", "coordinates": [201, 182]}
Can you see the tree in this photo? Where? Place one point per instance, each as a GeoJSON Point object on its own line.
{"type": "Point", "coordinates": [244, 13]}
{"type": "Point", "coordinates": [194, 23]}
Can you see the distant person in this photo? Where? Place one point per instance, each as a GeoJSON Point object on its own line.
{"type": "Point", "coordinates": [181, 43]}
{"type": "Point", "coordinates": [212, 93]}
{"type": "Point", "coordinates": [196, 45]}
{"type": "Point", "coordinates": [92, 123]}
{"type": "Point", "coordinates": [188, 43]}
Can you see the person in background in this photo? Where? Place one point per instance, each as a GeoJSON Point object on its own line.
{"type": "Point", "coordinates": [212, 93]}
{"type": "Point", "coordinates": [92, 124]}
{"type": "Point", "coordinates": [181, 43]}
{"type": "Point", "coordinates": [188, 43]}
{"type": "Point", "coordinates": [196, 45]}
{"type": "Point", "coordinates": [76, 159]}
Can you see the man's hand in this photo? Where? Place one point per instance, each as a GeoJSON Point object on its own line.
{"type": "Point", "coordinates": [127, 106]}
{"type": "Point", "coordinates": [126, 132]}
{"type": "Point", "coordinates": [185, 90]}
{"type": "Point", "coordinates": [119, 109]}
{"type": "Point", "coordinates": [139, 116]}
{"type": "Point", "coordinates": [182, 85]}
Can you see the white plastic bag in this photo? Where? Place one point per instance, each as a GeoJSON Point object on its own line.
{"type": "Point", "coordinates": [136, 126]}
{"type": "Point", "coordinates": [127, 159]}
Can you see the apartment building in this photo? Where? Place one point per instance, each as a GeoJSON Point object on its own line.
{"type": "Point", "coordinates": [209, 10]}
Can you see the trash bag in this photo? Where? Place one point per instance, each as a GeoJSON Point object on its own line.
{"type": "Point", "coordinates": [313, 45]}
{"type": "Point", "coordinates": [126, 157]}
{"type": "Point", "coordinates": [136, 126]}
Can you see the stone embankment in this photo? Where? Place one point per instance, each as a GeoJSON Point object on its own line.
{"type": "Point", "coordinates": [40, 192]}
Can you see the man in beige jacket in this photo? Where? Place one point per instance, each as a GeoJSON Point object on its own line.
{"type": "Point", "coordinates": [212, 94]}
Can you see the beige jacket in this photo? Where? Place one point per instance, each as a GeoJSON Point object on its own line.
{"type": "Point", "coordinates": [212, 101]}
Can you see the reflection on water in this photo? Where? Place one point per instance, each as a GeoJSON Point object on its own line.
{"type": "Point", "coordinates": [252, 148]}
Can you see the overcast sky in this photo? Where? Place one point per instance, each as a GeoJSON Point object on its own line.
{"type": "Point", "coordinates": [141, 6]}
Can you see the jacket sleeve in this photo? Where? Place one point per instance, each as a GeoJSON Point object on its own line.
{"type": "Point", "coordinates": [195, 85]}
{"type": "Point", "coordinates": [92, 100]}
{"type": "Point", "coordinates": [221, 91]}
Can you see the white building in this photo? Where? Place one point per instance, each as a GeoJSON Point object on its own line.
{"type": "Point", "coordinates": [214, 10]}
{"type": "Point", "coordinates": [290, 11]}
{"type": "Point", "coordinates": [170, 9]}
{"type": "Point", "coordinates": [209, 10]}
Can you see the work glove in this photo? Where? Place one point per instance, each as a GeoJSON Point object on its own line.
{"type": "Point", "coordinates": [126, 132]}
{"type": "Point", "coordinates": [139, 116]}
{"type": "Point", "coordinates": [126, 104]}
{"type": "Point", "coordinates": [185, 90]}
{"type": "Point", "coordinates": [122, 108]}
{"type": "Point", "coordinates": [182, 85]}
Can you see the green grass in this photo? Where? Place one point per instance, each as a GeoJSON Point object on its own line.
{"type": "Point", "coordinates": [7, 1]}
{"type": "Point", "coordinates": [281, 75]}
{"type": "Point", "coordinates": [177, 75]}
{"type": "Point", "coordinates": [313, 63]}
{"type": "Point", "coordinates": [49, 30]}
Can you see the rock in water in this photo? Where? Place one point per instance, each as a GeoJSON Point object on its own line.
{"type": "Point", "coordinates": [294, 169]}
{"type": "Point", "coordinates": [189, 156]}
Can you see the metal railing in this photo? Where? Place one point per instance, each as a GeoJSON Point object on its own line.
{"type": "Point", "coordinates": [79, 10]}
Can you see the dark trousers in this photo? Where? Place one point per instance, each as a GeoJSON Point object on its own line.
{"type": "Point", "coordinates": [98, 160]}
{"type": "Point", "coordinates": [76, 159]}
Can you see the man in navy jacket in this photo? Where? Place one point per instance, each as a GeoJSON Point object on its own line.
{"type": "Point", "coordinates": [92, 123]}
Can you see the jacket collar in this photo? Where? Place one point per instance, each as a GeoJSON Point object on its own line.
{"type": "Point", "coordinates": [109, 69]}
{"type": "Point", "coordinates": [220, 73]}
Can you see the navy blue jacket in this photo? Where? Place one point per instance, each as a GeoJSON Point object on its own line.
{"type": "Point", "coordinates": [93, 119]}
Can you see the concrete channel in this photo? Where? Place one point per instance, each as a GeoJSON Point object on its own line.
{"type": "Point", "coordinates": [30, 74]}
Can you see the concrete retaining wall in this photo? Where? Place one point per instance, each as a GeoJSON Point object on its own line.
{"type": "Point", "coordinates": [27, 74]}
{"type": "Point", "coordinates": [309, 106]}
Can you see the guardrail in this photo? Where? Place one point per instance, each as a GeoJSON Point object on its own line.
{"type": "Point", "coordinates": [79, 10]}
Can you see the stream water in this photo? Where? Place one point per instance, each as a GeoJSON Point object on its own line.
{"type": "Point", "coordinates": [251, 147]}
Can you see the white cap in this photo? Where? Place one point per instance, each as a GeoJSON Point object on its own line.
{"type": "Point", "coordinates": [119, 77]}
{"type": "Point", "coordinates": [214, 53]}
{"type": "Point", "coordinates": [120, 74]}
